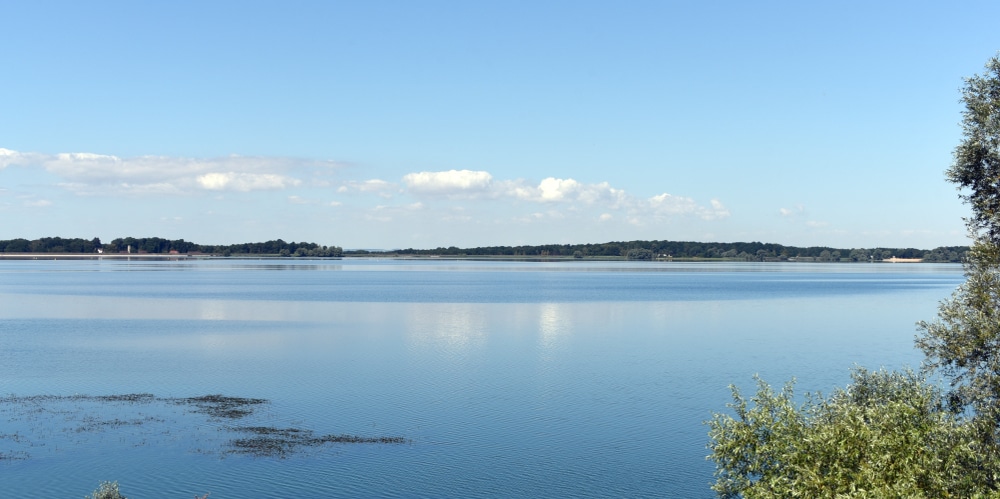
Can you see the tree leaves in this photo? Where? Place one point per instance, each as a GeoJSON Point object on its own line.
{"type": "Point", "coordinates": [885, 435]}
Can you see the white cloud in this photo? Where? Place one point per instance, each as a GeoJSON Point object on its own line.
{"type": "Point", "coordinates": [569, 193]}
{"type": "Point", "coordinates": [89, 173]}
{"type": "Point", "coordinates": [467, 184]}
{"type": "Point", "coordinates": [9, 157]}
{"type": "Point", "coordinates": [448, 183]}
{"type": "Point", "coordinates": [553, 198]}
{"type": "Point", "coordinates": [670, 205]}
{"type": "Point", "coordinates": [38, 203]}
{"type": "Point", "coordinates": [603, 193]}
{"type": "Point", "coordinates": [243, 182]}
{"type": "Point", "coordinates": [552, 190]}
{"type": "Point", "coordinates": [556, 189]}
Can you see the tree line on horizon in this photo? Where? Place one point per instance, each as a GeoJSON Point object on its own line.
{"type": "Point", "coordinates": [650, 250]}
{"type": "Point", "coordinates": [157, 245]}
{"type": "Point", "coordinates": [630, 250]}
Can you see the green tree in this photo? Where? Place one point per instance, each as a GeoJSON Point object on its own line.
{"type": "Point", "coordinates": [977, 157]}
{"type": "Point", "coordinates": [963, 343]}
{"type": "Point", "coordinates": [639, 254]}
{"type": "Point", "coordinates": [859, 255]}
{"type": "Point", "coordinates": [886, 435]}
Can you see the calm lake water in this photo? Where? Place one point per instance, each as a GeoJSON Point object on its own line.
{"type": "Point", "coordinates": [508, 379]}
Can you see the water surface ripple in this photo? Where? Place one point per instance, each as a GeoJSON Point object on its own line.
{"type": "Point", "coordinates": [510, 379]}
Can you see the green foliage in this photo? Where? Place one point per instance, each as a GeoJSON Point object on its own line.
{"type": "Point", "coordinates": [977, 157]}
{"type": "Point", "coordinates": [156, 245]}
{"type": "Point", "coordinates": [885, 435]}
{"type": "Point", "coordinates": [753, 251]}
{"type": "Point", "coordinates": [107, 490]}
{"type": "Point", "coordinates": [50, 245]}
{"type": "Point", "coordinates": [963, 343]}
{"type": "Point", "coordinates": [639, 254]}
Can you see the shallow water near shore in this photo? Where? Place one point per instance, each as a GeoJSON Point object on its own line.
{"type": "Point", "coordinates": [503, 379]}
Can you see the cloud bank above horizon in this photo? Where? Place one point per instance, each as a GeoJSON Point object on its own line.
{"type": "Point", "coordinates": [451, 198]}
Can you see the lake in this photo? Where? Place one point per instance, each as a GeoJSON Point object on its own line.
{"type": "Point", "coordinates": [458, 378]}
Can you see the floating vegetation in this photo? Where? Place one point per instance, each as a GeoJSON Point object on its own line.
{"type": "Point", "coordinates": [128, 397]}
{"type": "Point", "coordinates": [280, 442]}
{"type": "Point", "coordinates": [13, 456]}
{"type": "Point", "coordinates": [36, 420]}
{"type": "Point", "coordinates": [91, 423]}
{"type": "Point", "coordinates": [40, 399]}
{"type": "Point", "coordinates": [221, 407]}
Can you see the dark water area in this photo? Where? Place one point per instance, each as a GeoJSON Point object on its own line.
{"type": "Point", "coordinates": [501, 379]}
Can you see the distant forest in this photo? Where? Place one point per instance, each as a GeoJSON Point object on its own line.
{"type": "Point", "coordinates": [649, 250]}
{"type": "Point", "coordinates": [156, 245]}
{"type": "Point", "coordinates": [630, 250]}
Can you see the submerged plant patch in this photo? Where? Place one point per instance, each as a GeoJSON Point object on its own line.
{"type": "Point", "coordinates": [271, 441]}
{"type": "Point", "coordinates": [54, 423]}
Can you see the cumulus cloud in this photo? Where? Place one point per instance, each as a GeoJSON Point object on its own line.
{"type": "Point", "coordinates": [467, 184]}
{"type": "Point", "coordinates": [9, 157]}
{"type": "Point", "coordinates": [550, 198]}
{"type": "Point", "coordinates": [668, 205]}
{"type": "Point", "coordinates": [556, 189]}
{"type": "Point", "coordinates": [232, 181]}
{"type": "Point", "coordinates": [90, 173]}
{"type": "Point", "coordinates": [566, 192]}
{"type": "Point", "coordinates": [448, 183]}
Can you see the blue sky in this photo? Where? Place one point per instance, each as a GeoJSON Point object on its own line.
{"type": "Point", "coordinates": [426, 123]}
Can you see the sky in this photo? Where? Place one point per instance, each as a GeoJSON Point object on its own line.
{"type": "Point", "coordinates": [419, 124]}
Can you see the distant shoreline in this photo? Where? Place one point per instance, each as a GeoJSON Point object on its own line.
{"type": "Point", "coordinates": [390, 256]}
{"type": "Point", "coordinates": [93, 256]}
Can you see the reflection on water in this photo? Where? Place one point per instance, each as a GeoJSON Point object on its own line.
{"type": "Point", "coordinates": [554, 322]}
{"type": "Point", "coordinates": [456, 327]}
{"type": "Point", "coordinates": [510, 379]}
